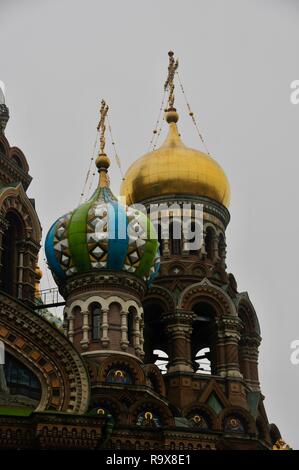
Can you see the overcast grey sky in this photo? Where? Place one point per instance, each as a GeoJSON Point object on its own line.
{"type": "Point", "coordinates": [237, 60]}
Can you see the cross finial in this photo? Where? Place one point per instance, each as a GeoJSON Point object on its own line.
{"type": "Point", "coordinates": [169, 85]}
{"type": "Point", "coordinates": [101, 126]}
{"type": "Point", "coordinates": [102, 161]}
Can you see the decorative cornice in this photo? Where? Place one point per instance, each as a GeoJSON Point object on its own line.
{"type": "Point", "coordinates": [103, 280]}
{"type": "Point", "coordinates": [209, 206]}
{"type": "Point", "coordinates": [205, 287]}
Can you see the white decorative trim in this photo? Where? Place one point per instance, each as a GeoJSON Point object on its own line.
{"type": "Point", "coordinates": [110, 352]}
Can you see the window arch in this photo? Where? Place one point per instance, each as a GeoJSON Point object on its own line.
{"type": "Point", "coordinates": [160, 239]}
{"type": "Point", "coordinates": [154, 335]}
{"type": "Point", "coordinates": [131, 323]}
{"type": "Point", "coordinates": [196, 240]}
{"type": "Point", "coordinates": [203, 340]}
{"type": "Point", "coordinates": [12, 237]}
{"type": "Point", "coordinates": [221, 246]}
{"type": "Point", "coordinates": [175, 235]}
{"type": "Point", "coordinates": [20, 379]}
{"type": "Point", "coordinates": [209, 239]}
{"type": "Point", "coordinates": [96, 321]}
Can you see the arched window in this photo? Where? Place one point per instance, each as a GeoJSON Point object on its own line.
{"type": "Point", "coordinates": [221, 247]}
{"type": "Point", "coordinates": [154, 334]}
{"type": "Point", "coordinates": [160, 239]}
{"type": "Point", "coordinates": [203, 339]}
{"type": "Point", "coordinates": [195, 241]}
{"type": "Point", "coordinates": [131, 320]}
{"type": "Point", "coordinates": [209, 238]}
{"type": "Point", "coordinates": [20, 379]}
{"type": "Point", "coordinates": [175, 234]}
{"type": "Point", "coordinates": [10, 252]}
{"type": "Point", "coordinates": [96, 321]}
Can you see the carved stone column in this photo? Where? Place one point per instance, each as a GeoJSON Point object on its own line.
{"type": "Point", "coordinates": [222, 255]}
{"type": "Point", "coordinates": [31, 249]}
{"type": "Point", "coordinates": [21, 250]}
{"type": "Point", "coordinates": [231, 329]}
{"type": "Point", "coordinates": [136, 334]}
{"type": "Point", "coordinates": [203, 251]}
{"type": "Point", "coordinates": [124, 330]}
{"type": "Point", "coordinates": [105, 328]}
{"type": "Point", "coordinates": [179, 328]}
{"type": "Point", "coordinates": [85, 330]}
{"type": "Point", "coordinates": [65, 323]}
{"type": "Point", "coordinates": [141, 337]}
{"type": "Point", "coordinates": [249, 345]}
{"type": "Point", "coordinates": [220, 353]}
{"type": "Point", "coordinates": [215, 254]}
{"type": "Point", "coordinates": [71, 328]}
{"type": "Point", "coordinates": [255, 384]}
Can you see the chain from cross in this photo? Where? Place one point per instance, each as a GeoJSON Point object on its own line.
{"type": "Point", "coordinates": [101, 126]}
{"type": "Point", "coordinates": [169, 85]}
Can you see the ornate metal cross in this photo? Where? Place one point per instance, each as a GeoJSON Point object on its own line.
{"type": "Point", "coordinates": [101, 126]}
{"type": "Point", "coordinates": [172, 67]}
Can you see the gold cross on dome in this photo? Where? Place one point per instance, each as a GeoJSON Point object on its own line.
{"type": "Point", "coordinates": [101, 126]}
{"type": "Point", "coordinates": [169, 85]}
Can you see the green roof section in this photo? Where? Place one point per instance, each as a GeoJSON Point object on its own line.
{"type": "Point", "coordinates": [215, 404]}
{"type": "Point", "coordinates": [77, 237]}
{"type": "Point", "coordinates": [14, 411]}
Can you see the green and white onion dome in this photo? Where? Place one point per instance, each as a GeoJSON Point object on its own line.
{"type": "Point", "coordinates": [102, 234]}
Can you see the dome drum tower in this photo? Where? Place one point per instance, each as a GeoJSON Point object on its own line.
{"type": "Point", "coordinates": [194, 300]}
{"type": "Point", "coordinates": [104, 315]}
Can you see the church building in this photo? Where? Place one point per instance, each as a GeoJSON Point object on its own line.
{"type": "Point", "coordinates": [157, 348]}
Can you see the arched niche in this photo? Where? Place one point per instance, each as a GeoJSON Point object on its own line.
{"type": "Point", "coordinates": [95, 310]}
{"type": "Point", "coordinates": [154, 334]}
{"type": "Point", "coordinates": [12, 239]}
{"type": "Point", "coordinates": [209, 242]}
{"type": "Point", "coordinates": [204, 338]}
{"type": "Point", "coordinates": [154, 379]}
{"type": "Point", "coordinates": [175, 237]}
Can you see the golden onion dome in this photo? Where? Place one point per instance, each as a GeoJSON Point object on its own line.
{"type": "Point", "coordinates": [175, 169]}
